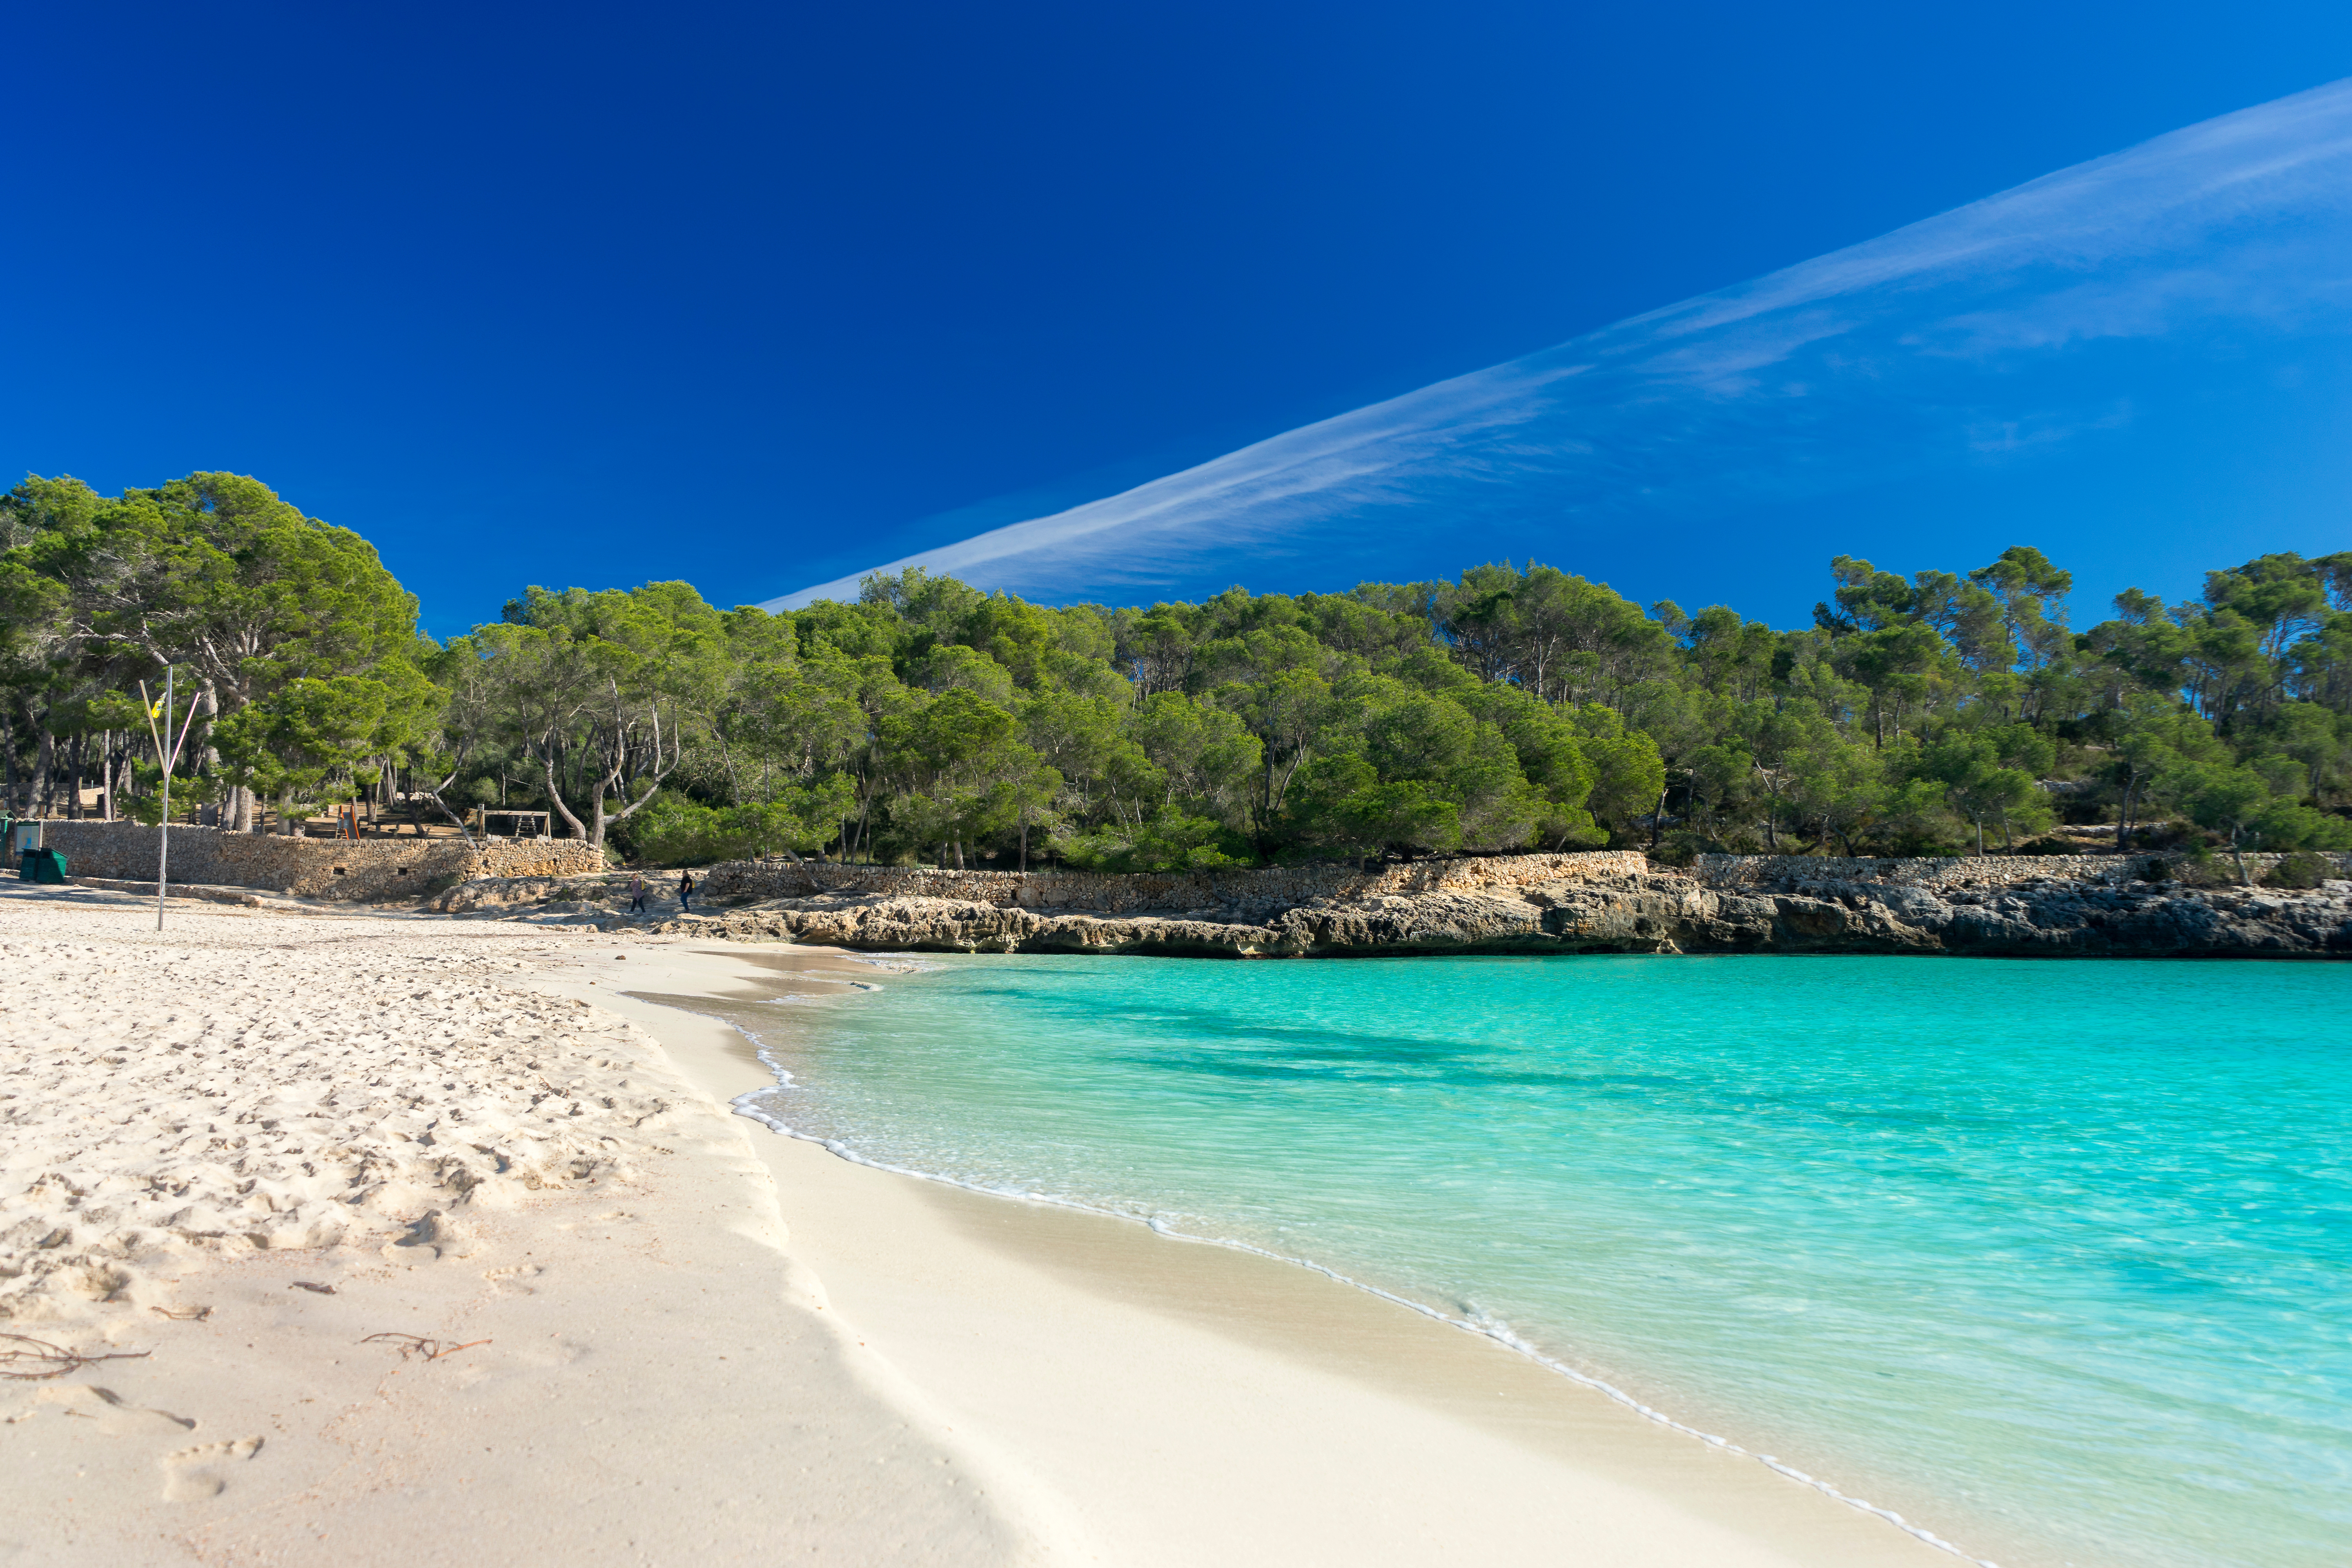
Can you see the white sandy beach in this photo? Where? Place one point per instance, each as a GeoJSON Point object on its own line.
{"type": "Point", "coordinates": [247, 1145]}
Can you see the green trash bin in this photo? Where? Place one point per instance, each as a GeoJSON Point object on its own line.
{"type": "Point", "coordinates": [42, 866]}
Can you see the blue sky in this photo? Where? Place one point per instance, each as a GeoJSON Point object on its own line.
{"type": "Point", "coordinates": [762, 297]}
{"type": "Point", "coordinates": [2145, 349]}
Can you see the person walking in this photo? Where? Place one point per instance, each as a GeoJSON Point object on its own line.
{"type": "Point", "coordinates": [636, 893]}
{"type": "Point", "coordinates": [686, 893]}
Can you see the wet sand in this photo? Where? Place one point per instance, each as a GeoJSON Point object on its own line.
{"type": "Point", "coordinates": [1191, 1404]}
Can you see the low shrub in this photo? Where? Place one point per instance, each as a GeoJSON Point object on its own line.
{"type": "Point", "coordinates": [1170, 841]}
{"type": "Point", "coordinates": [674, 831]}
{"type": "Point", "coordinates": [2199, 867]}
{"type": "Point", "coordinates": [2048, 844]}
{"type": "Point", "coordinates": [2301, 869]}
{"type": "Point", "coordinates": [1683, 845]}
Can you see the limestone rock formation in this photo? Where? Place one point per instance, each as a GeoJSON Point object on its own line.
{"type": "Point", "coordinates": [1616, 911]}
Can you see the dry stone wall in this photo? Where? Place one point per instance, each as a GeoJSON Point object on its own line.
{"type": "Point", "coordinates": [1225, 892]}
{"type": "Point", "coordinates": [1958, 871]}
{"type": "Point", "coordinates": [363, 868]}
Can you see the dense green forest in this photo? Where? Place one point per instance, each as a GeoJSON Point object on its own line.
{"type": "Point", "coordinates": [929, 722]}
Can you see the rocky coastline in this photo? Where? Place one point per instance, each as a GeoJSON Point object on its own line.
{"type": "Point", "coordinates": [1609, 902]}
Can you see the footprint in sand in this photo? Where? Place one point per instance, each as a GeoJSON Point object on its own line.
{"type": "Point", "coordinates": [116, 1414]}
{"type": "Point", "coordinates": [203, 1471]}
{"type": "Point", "coordinates": [512, 1280]}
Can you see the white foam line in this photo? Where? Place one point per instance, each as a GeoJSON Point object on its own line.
{"type": "Point", "coordinates": [1499, 1333]}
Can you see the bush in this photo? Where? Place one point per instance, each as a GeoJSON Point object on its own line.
{"type": "Point", "coordinates": [2301, 869]}
{"type": "Point", "coordinates": [187, 794]}
{"type": "Point", "coordinates": [2158, 837]}
{"type": "Point", "coordinates": [1170, 841]}
{"type": "Point", "coordinates": [674, 831]}
{"type": "Point", "coordinates": [2287, 825]}
{"type": "Point", "coordinates": [2049, 844]}
{"type": "Point", "coordinates": [1683, 845]}
{"type": "Point", "coordinates": [2199, 867]}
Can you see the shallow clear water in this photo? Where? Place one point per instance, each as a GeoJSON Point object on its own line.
{"type": "Point", "coordinates": [2053, 1257]}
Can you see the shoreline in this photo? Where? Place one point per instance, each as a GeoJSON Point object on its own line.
{"type": "Point", "coordinates": [1564, 1431]}
{"type": "Point", "coordinates": [615, 1358]}
{"type": "Point", "coordinates": [1501, 1336]}
{"type": "Point", "coordinates": [742, 1105]}
{"type": "Point", "coordinates": [713, 1341]}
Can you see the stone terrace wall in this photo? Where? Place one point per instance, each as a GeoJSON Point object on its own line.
{"type": "Point", "coordinates": [1942, 872]}
{"type": "Point", "coordinates": [1110, 893]}
{"type": "Point", "coordinates": [362, 868]}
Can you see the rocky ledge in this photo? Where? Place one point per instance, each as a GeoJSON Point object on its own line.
{"type": "Point", "coordinates": [1656, 911]}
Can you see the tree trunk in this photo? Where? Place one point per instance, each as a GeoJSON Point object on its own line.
{"type": "Point", "coordinates": [1025, 843]}
{"type": "Point", "coordinates": [207, 759]}
{"type": "Point", "coordinates": [1298, 761]}
{"type": "Point", "coordinates": [726, 757]}
{"type": "Point", "coordinates": [555, 797]}
{"type": "Point", "coordinates": [618, 771]}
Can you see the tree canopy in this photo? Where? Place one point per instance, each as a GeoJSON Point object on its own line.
{"type": "Point", "coordinates": [1515, 707]}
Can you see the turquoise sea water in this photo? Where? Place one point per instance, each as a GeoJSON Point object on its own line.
{"type": "Point", "coordinates": [2054, 1259]}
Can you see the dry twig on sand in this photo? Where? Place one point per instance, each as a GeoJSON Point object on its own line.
{"type": "Point", "coordinates": [192, 1315]}
{"type": "Point", "coordinates": [28, 1359]}
{"type": "Point", "coordinates": [417, 1344]}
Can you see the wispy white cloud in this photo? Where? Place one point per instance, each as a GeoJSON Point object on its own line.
{"type": "Point", "coordinates": [1972, 332]}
